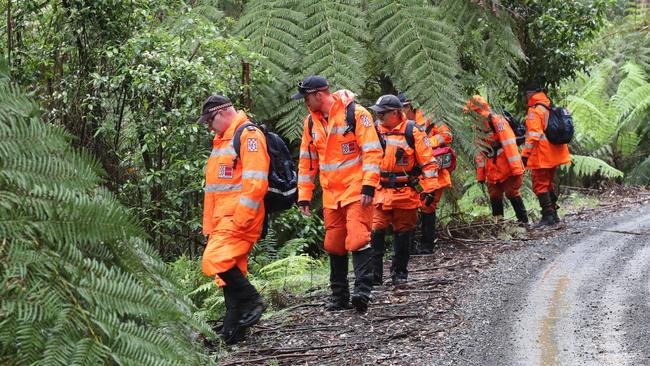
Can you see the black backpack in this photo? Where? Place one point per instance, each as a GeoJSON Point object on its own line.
{"type": "Point", "coordinates": [517, 127]}
{"type": "Point", "coordinates": [559, 127]}
{"type": "Point", "coordinates": [283, 181]}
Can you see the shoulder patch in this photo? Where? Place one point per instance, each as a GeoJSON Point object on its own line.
{"type": "Point", "coordinates": [427, 141]}
{"type": "Point", "coordinates": [252, 144]}
{"type": "Point", "coordinates": [531, 115]}
{"type": "Point", "coordinates": [500, 126]}
{"type": "Point", "coordinates": [365, 121]}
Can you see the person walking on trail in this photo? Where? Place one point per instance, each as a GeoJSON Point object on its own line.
{"type": "Point", "coordinates": [439, 135]}
{"type": "Point", "coordinates": [233, 212]}
{"type": "Point", "coordinates": [540, 156]}
{"type": "Point", "coordinates": [340, 141]}
{"type": "Point", "coordinates": [408, 156]}
{"type": "Point", "coordinates": [500, 166]}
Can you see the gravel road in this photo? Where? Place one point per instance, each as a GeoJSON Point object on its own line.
{"type": "Point", "coordinates": [581, 297]}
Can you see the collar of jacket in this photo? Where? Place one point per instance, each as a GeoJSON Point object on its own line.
{"type": "Point", "coordinates": [239, 119]}
{"type": "Point", "coordinates": [539, 98]}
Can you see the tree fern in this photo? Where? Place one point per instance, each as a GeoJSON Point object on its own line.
{"type": "Point", "coordinates": [274, 29]}
{"type": "Point", "coordinates": [79, 285]}
{"type": "Point", "coordinates": [421, 54]}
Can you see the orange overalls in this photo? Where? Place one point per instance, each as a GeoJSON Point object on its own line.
{"type": "Point", "coordinates": [439, 135]}
{"type": "Point", "coordinates": [233, 210]}
{"type": "Point", "coordinates": [543, 156]}
{"type": "Point", "coordinates": [396, 201]}
{"type": "Point", "coordinates": [501, 168]}
{"type": "Point", "coordinates": [346, 161]}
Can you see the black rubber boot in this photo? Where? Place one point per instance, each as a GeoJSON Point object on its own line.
{"type": "Point", "coordinates": [398, 268]}
{"type": "Point", "coordinates": [428, 234]}
{"type": "Point", "coordinates": [246, 298]}
{"type": "Point", "coordinates": [520, 209]}
{"type": "Point", "coordinates": [556, 207]}
{"type": "Point", "coordinates": [340, 298]}
{"type": "Point", "coordinates": [378, 243]}
{"type": "Point", "coordinates": [548, 212]}
{"type": "Point", "coordinates": [230, 332]}
{"type": "Point", "coordinates": [497, 207]}
{"type": "Point", "coordinates": [362, 261]}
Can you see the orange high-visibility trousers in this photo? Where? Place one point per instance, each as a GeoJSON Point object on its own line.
{"type": "Point", "coordinates": [401, 219]}
{"type": "Point", "coordinates": [432, 207]}
{"type": "Point", "coordinates": [509, 186]}
{"type": "Point", "coordinates": [542, 180]}
{"type": "Point", "coordinates": [225, 250]}
{"type": "Point", "coordinates": [347, 228]}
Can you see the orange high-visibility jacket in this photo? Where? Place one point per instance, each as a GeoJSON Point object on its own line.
{"type": "Point", "coordinates": [508, 160]}
{"type": "Point", "coordinates": [439, 135]}
{"type": "Point", "coordinates": [405, 197]}
{"type": "Point", "coordinates": [234, 191]}
{"type": "Point", "coordinates": [541, 153]}
{"type": "Point", "coordinates": [346, 161]}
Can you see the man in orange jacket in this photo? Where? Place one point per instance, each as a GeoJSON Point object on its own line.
{"type": "Point", "coordinates": [340, 140]}
{"type": "Point", "coordinates": [440, 135]}
{"type": "Point", "coordinates": [501, 165]}
{"type": "Point", "coordinates": [233, 211]}
{"type": "Point", "coordinates": [408, 155]}
{"type": "Point", "coordinates": [539, 155]}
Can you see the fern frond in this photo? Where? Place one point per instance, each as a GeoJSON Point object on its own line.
{"type": "Point", "coordinates": [422, 56]}
{"type": "Point", "coordinates": [589, 166]}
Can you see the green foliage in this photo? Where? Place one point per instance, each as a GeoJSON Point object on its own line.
{"type": "Point", "coordinates": [79, 285]}
{"type": "Point", "coordinates": [587, 165]}
{"type": "Point", "coordinates": [553, 34]}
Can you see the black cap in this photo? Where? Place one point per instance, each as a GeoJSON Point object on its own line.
{"type": "Point", "coordinates": [402, 98]}
{"type": "Point", "coordinates": [213, 104]}
{"type": "Point", "coordinates": [386, 102]}
{"type": "Point", "coordinates": [310, 85]}
{"type": "Point", "coordinates": [534, 86]}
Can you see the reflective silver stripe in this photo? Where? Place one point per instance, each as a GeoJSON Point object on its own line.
{"type": "Point", "coordinates": [500, 151]}
{"type": "Point", "coordinates": [287, 193]}
{"type": "Point", "coordinates": [371, 168]}
{"type": "Point", "coordinates": [249, 203]}
{"type": "Point", "coordinates": [514, 158]}
{"type": "Point", "coordinates": [434, 160]}
{"type": "Point", "coordinates": [509, 142]}
{"type": "Point", "coordinates": [341, 165]}
{"type": "Point", "coordinates": [395, 142]}
{"type": "Point", "coordinates": [307, 154]}
{"type": "Point", "coordinates": [304, 178]}
{"type": "Point", "coordinates": [543, 137]}
{"type": "Point", "coordinates": [225, 151]}
{"type": "Point", "coordinates": [338, 130]}
{"type": "Point", "coordinates": [534, 134]}
{"type": "Point", "coordinates": [440, 139]}
{"type": "Point", "coordinates": [528, 146]}
{"type": "Point", "coordinates": [255, 174]}
{"type": "Point", "coordinates": [223, 187]}
{"type": "Point", "coordinates": [370, 145]}
{"type": "Point", "coordinates": [430, 173]}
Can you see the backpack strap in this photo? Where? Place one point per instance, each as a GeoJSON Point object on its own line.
{"type": "Point", "coordinates": [408, 134]}
{"type": "Point", "coordinates": [236, 139]}
{"type": "Point", "coordinates": [310, 129]}
{"type": "Point", "coordinates": [350, 119]}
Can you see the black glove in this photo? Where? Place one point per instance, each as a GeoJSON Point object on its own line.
{"type": "Point", "coordinates": [427, 198]}
{"type": "Point", "coordinates": [304, 204]}
{"type": "Point", "coordinates": [524, 159]}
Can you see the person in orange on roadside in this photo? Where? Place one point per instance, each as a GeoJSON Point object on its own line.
{"type": "Point", "coordinates": [540, 156]}
{"type": "Point", "coordinates": [440, 135]}
{"type": "Point", "coordinates": [233, 212]}
{"type": "Point", "coordinates": [501, 165]}
{"type": "Point", "coordinates": [347, 153]}
{"type": "Point", "coordinates": [408, 156]}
